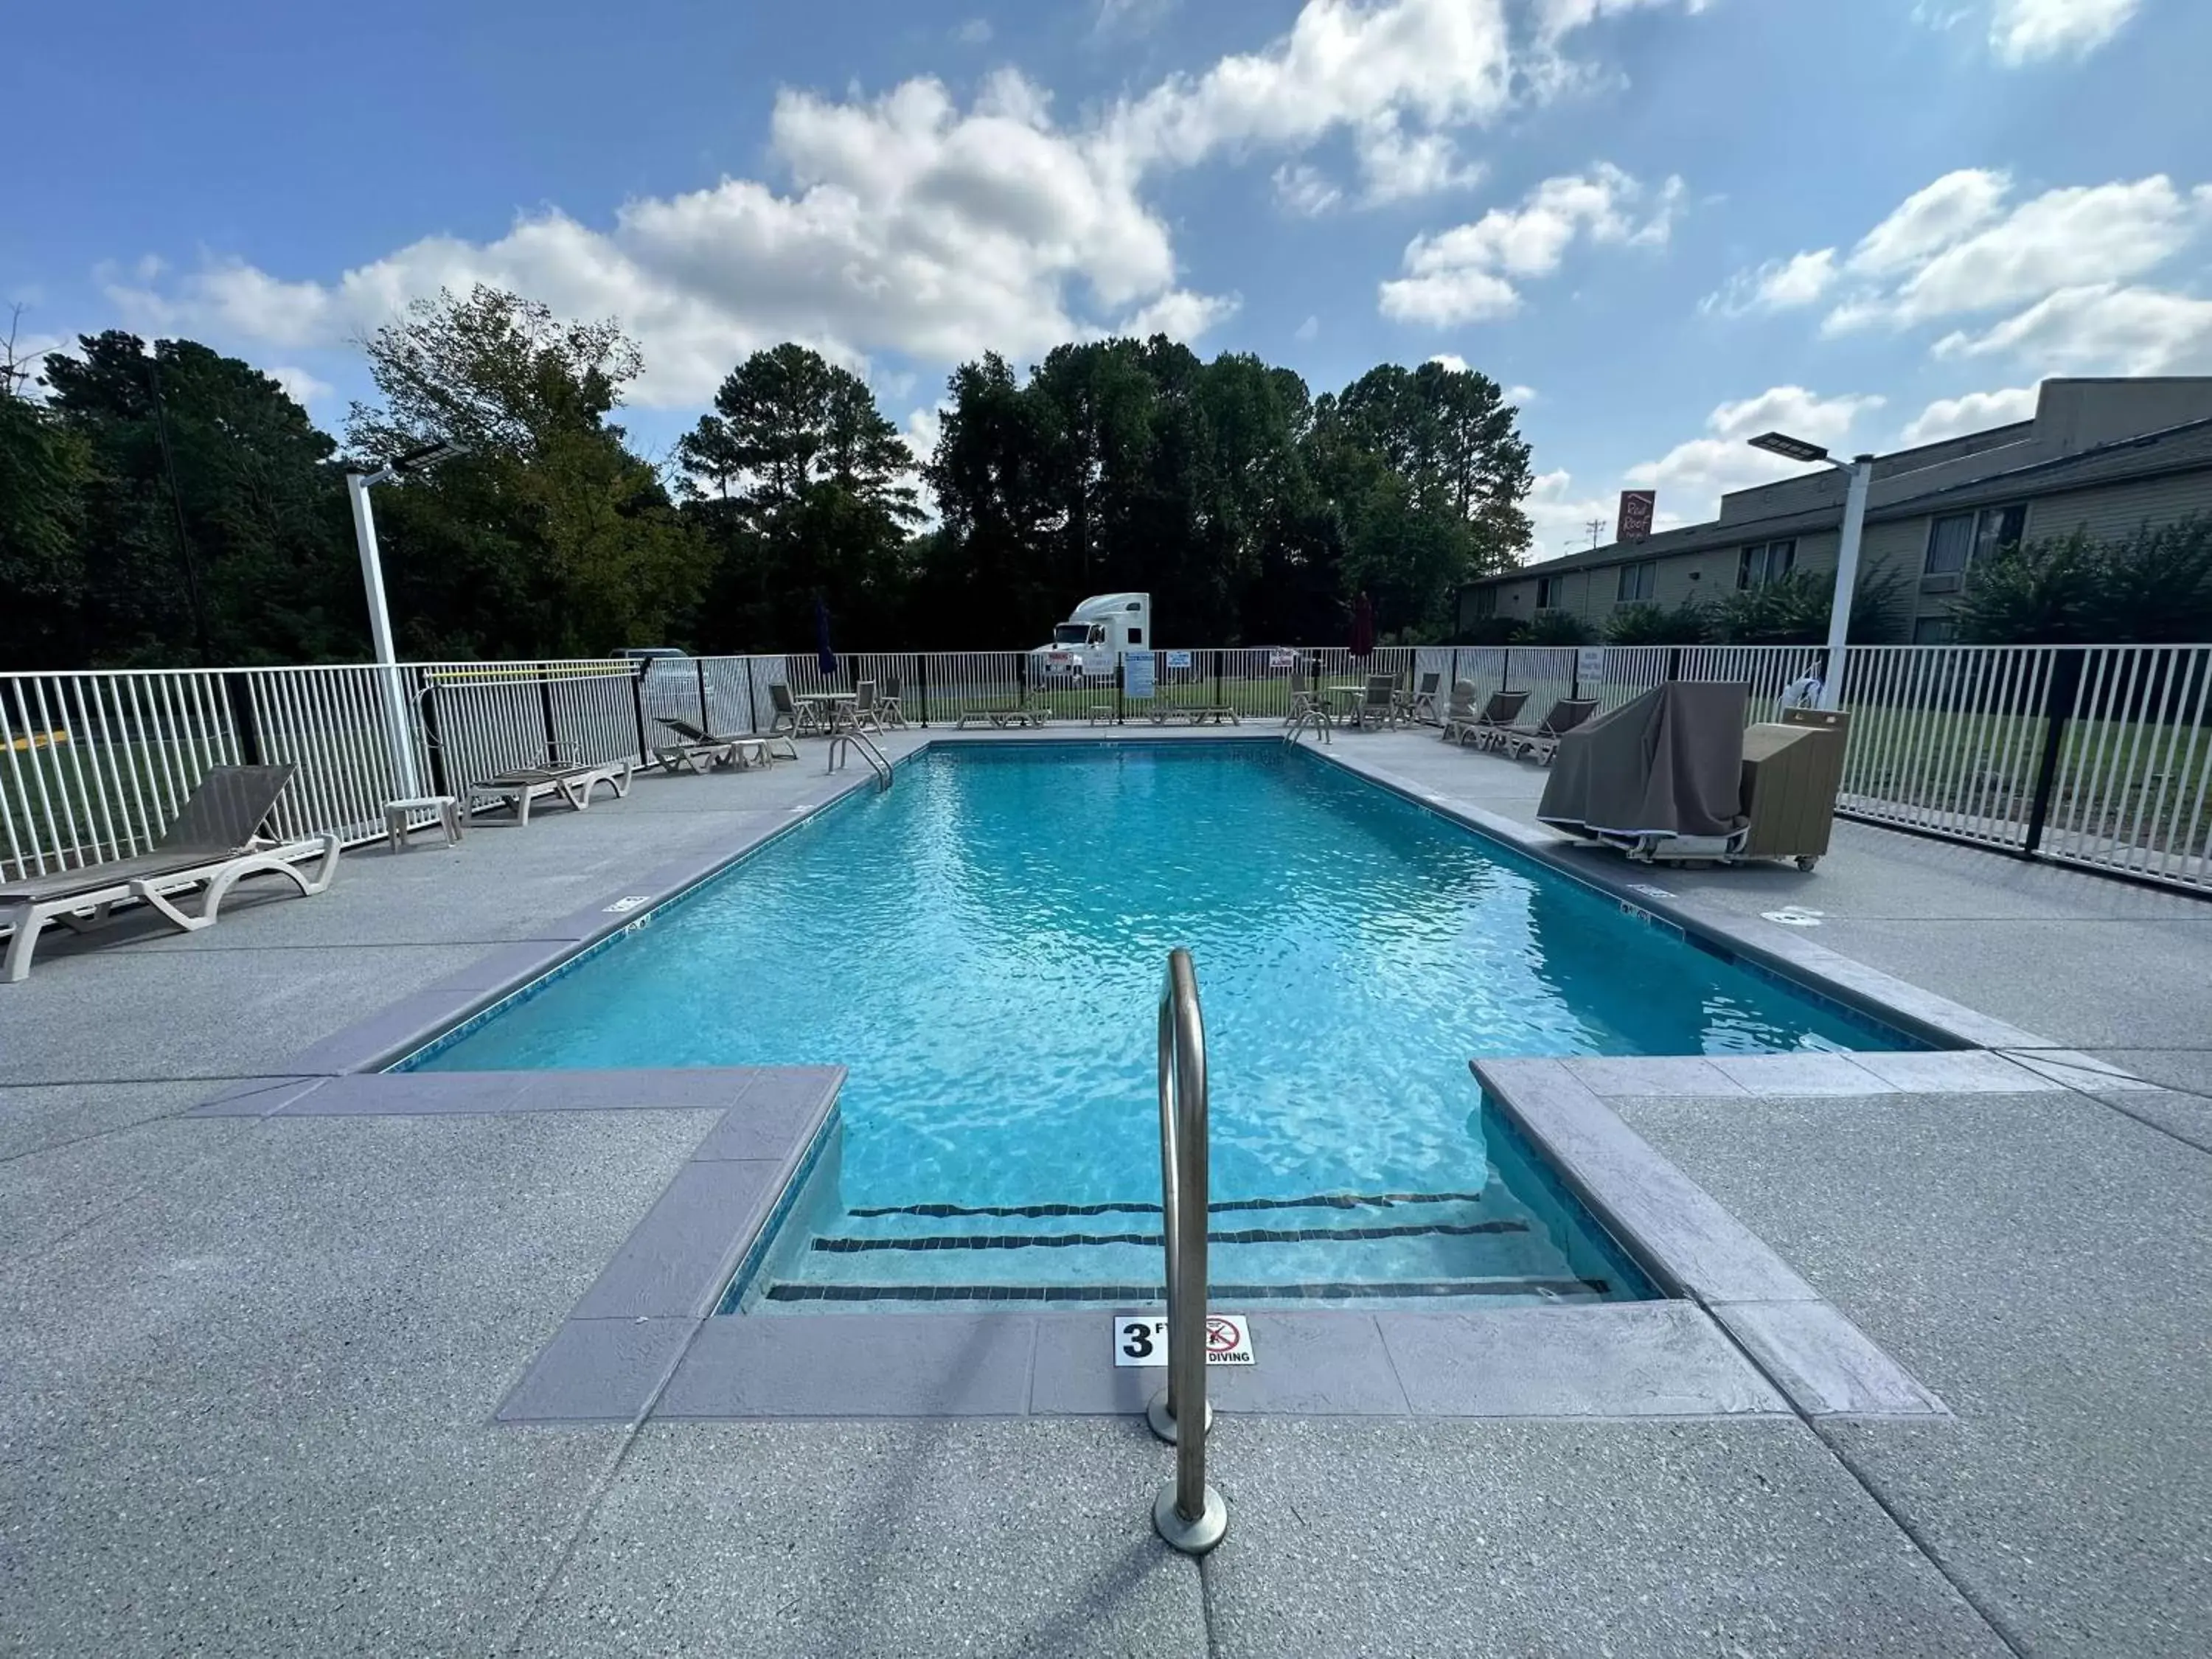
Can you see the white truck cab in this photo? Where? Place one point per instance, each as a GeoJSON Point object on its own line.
{"type": "Point", "coordinates": [1087, 645]}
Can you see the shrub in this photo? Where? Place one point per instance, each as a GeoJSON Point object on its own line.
{"type": "Point", "coordinates": [1793, 610]}
{"type": "Point", "coordinates": [2151, 587]}
{"type": "Point", "coordinates": [1557, 628]}
{"type": "Point", "coordinates": [1686, 623]}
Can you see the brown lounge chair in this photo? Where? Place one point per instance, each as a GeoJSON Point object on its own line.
{"type": "Point", "coordinates": [215, 842]}
{"type": "Point", "coordinates": [1541, 742]}
{"type": "Point", "coordinates": [1465, 723]}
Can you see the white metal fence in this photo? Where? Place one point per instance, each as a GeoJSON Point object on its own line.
{"type": "Point", "coordinates": [2093, 755]}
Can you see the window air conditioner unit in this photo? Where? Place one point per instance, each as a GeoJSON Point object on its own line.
{"type": "Point", "coordinates": [1949, 581]}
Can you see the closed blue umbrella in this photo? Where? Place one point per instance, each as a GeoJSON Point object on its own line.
{"type": "Point", "coordinates": [825, 657]}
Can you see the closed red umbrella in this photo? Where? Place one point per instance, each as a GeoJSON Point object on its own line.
{"type": "Point", "coordinates": [1363, 626]}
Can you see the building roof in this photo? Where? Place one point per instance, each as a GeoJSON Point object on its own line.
{"type": "Point", "coordinates": [2182, 447]}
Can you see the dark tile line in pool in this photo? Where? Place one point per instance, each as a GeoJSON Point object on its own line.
{"type": "Point", "coordinates": [1219, 1295]}
{"type": "Point", "coordinates": [849, 1246]}
{"type": "Point", "coordinates": [1317, 1202]}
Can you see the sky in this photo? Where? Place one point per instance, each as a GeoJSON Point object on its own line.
{"type": "Point", "coordinates": [1663, 225]}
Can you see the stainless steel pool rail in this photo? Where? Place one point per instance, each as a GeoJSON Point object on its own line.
{"type": "Point", "coordinates": [1188, 1513]}
{"type": "Point", "coordinates": [842, 743]}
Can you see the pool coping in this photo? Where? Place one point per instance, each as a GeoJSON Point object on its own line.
{"type": "Point", "coordinates": [1739, 1333]}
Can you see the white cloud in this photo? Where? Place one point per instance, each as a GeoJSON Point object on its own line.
{"type": "Point", "coordinates": [1557, 17]}
{"type": "Point", "coordinates": [1399, 167]}
{"type": "Point", "coordinates": [1778, 285]}
{"type": "Point", "coordinates": [910, 225]}
{"type": "Point", "coordinates": [1309, 329]}
{"type": "Point", "coordinates": [1343, 65]}
{"type": "Point", "coordinates": [301, 387]}
{"type": "Point", "coordinates": [1976, 411]}
{"type": "Point", "coordinates": [1691, 476]}
{"type": "Point", "coordinates": [906, 223]}
{"type": "Point", "coordinates": [2099, 329]}
{"type": "Point", "coordinates": [1451, 361]}
{"type": "Point", "coordinates": [975, 32]}
{"type": "Point", "coordinates": [1461, 274]}
{"type": "Point", "coordinates": [1521, 395]}
{"type": "Point", "coordinates": [1180, 314]}
{"type": "Point", "coordinates": [1131, 16]}
{"type": "Point", "coordinates": [1304, 190]}
{"type": "Point", "coordinates": [2063, 238]}
{"type": "Point", "coordinates": [2025, 31]}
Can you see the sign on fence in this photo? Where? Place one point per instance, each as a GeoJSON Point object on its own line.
{"type": "Point", "coordinates": [1178, 659]}
{"type": "Point", "coordinates": [1589, 665]}
{"type": "Point", "coordinates": [1137, 673]}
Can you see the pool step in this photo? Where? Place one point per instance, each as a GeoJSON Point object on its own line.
{"type": "Point", "coordinates": [1338, 1246]}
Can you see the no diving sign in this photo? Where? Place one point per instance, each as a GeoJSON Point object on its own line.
{"type": "Point", "coordinates": [1142, 1339]}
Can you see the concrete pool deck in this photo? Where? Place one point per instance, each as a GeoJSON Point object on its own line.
{"type": "Point", "coordinates": [249, 1365]}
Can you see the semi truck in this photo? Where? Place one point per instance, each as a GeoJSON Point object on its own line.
{"type": "Point", "coordinates": [1084, 648]}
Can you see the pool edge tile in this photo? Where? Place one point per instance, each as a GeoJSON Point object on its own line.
{"type": "Point", "coordinates": [842, 1366]}
{"type": "Point", "coordinates": [599, 1370]}
{"type": "Point", "coordinates": [1631, 1359]}
{"type": "Point", "coordinates": [1677, 1231]}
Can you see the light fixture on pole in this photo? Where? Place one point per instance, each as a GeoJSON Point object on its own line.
{"type": "Point", "coordinates": [1861, 472]}
{"type": "Point", "coordinates": [398, 728]}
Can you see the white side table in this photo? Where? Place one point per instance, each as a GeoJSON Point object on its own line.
{"type": "Point", "coordinates": [396, 814]}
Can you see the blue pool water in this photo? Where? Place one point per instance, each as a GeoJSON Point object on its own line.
{"type": "Point", "coordinates": [983, 946]}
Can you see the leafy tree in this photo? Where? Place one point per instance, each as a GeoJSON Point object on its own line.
{"type": "Point", "coordinates": [211, 520]}
{"type": "Point", "coordinates": [44, 470]}
{"type": "Point", "coordinates": [1686, 623]}
{"type": "Point", "coordinates": [1794, 610]}
{"type": "Point", "coordinates": [1426, 468]}
{"type": "Point", "coordinates": [548, 537]}
{"type": "Point", "coordinates": [812, 493]}
{"type": "Point", "coordinates": [2154, 586]}
{"type": "Point", "coordinates": [1557, 628]}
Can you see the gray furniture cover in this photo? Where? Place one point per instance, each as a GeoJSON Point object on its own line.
{"type": "Point", "coordinates": [1669, 763]}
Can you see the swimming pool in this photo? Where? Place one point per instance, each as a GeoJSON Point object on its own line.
{"type": "Point", "coordinates": [982, 947]}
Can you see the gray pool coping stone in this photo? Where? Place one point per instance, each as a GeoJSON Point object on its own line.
{"type": "Point", "coordinates": [642, 1333]}
{"type": "Point", "coordinates": [1692, 1246]}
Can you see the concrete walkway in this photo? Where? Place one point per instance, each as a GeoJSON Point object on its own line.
{"type": "Point", "coordinates": [247, 1366]}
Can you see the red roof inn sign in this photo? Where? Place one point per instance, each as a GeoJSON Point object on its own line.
{"type": "Point", "coordinates": [1636, 509]}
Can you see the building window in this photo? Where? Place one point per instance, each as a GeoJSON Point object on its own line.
{"type": "Point", "coordinates": [1549, 591]}
{"type": "Point", "coordinates": [1486, 603]}
{"type": "Point", "coordinates": [1933, 630]}
{"type": "Point", "coordinates": [1956, 540]}
{"type": "Point", "coordinates": [1639, 582]}
{"type": "Point", "coordinates": [1764, 561]}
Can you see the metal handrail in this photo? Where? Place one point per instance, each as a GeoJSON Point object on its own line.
{"type": "Point", "coordinates": [841, 743]}
{"type": "Point", "coordinates": [1188, 1513]}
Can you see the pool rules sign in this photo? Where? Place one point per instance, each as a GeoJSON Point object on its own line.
{"type": "Point", "coordinates": [1142, 1339]}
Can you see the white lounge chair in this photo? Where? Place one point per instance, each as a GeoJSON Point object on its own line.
{"type": "Point", "coordinates": [214, 843]}
{"type": "Point", "coordinates": [517, 789]}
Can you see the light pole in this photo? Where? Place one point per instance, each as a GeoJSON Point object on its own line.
{"type": "Point", "coordinates": [1861, 472]}
{"type": "Point", "coordinates": [397, 726]}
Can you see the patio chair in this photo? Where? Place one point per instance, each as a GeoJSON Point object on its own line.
{"type": "Point", "coordinates": [1541, 742]}
{"type": "Point", "coordinates": [517, 788]}
{"type": "Point", "coordinates": [892, 712]}
{"type": "Point", "coordinates": [1378, 704]}
{"type": "Point", "coordinates": [1422, 700]}
{"type": "Point", "coordinates": [720, 749]}
{"type": "Point", "coordinates": [1486, 725]}
{"type": "Point", "coordinates": [1307, 706]}
{"type": "Point", "coordinates": [788, 718]}
{"type": "Point", "coordinates": [867, 711]}
{"type": "Point", "coordinates": [214, 842]}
